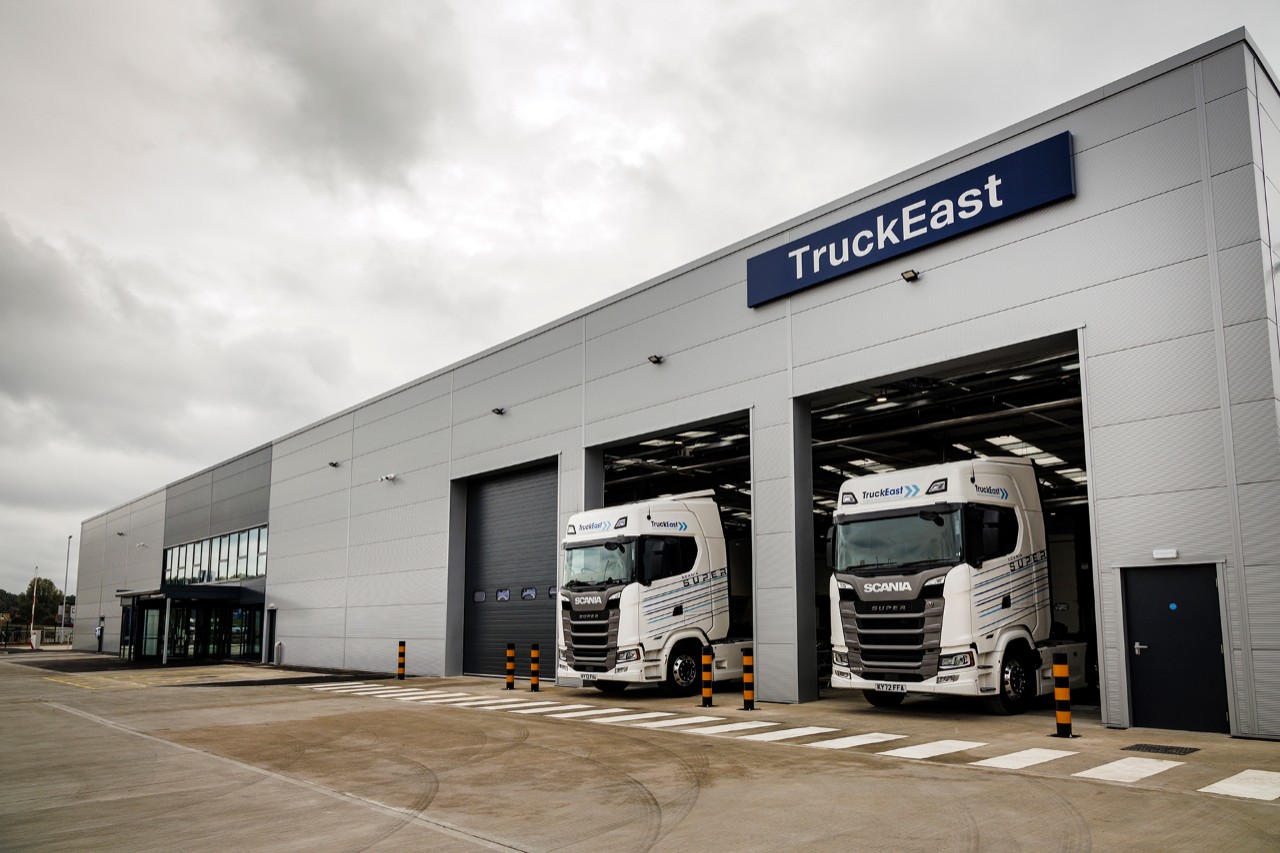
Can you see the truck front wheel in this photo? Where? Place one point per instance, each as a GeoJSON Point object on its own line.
{"type": "Point", "coordinates": [1017, 682]}
{"type": "Point", "coordinates": [684, 670]}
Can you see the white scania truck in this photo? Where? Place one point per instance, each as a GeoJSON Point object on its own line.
{"type": "Point", "coordinates": [940, 585]}
{"type": "Point", "coordinates": [643, 587]}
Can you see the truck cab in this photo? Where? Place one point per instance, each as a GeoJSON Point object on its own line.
{"type": "Point", "coordinates": [940, 584]}
{"type": "Point", "coordinates": [643, 588]}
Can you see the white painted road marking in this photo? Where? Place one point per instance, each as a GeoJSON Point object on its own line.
{"type": "Point", "coordinates": [787, 734]}
{"type": "Point", "coordinates": [1128, 769]}
{"type": "Point", "coordinates": [500, 704]}
{"type": "Point", "coordinates": [528, 708]}
{"type": "Point", "coordinates": [446, 697]}
{"type": "Point", "coordinates": [376, 691]}
{"type": "Point", "coordinates": [419, 694]}
{"type": "Point", "coordinates": [626, 718]}
{"type": "Point", "coordinates": [930, 750]}
{"type": "Point", "coordinates": [1254, 784]}
{"type": "Point", "coordinates": [730, 727]}
{"type": "Point", "coordinates": [854, 740]}
{"type": "Point", "coordinates": [1025, 758]}
{"type": "Point", "coordinates": [683, 721]}
{"type": "Point", "coordinates": [343, 686]}
{"type": "Point", "coordinates": [591, 713]}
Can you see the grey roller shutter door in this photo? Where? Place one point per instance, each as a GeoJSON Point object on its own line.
{"type": "Point", "coordinates": [511, 547]}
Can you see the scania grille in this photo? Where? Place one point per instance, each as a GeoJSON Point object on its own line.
{"type": "Point", "coordinates": [591, 638]}
{"type": "Point", "coordinates": [892, 640]}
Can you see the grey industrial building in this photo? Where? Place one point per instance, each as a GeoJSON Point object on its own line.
{"type": "Point", "coordinates": [1120, 326]}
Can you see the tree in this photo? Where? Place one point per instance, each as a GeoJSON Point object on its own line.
{"type": "Point", "coordinates": [48, 600]}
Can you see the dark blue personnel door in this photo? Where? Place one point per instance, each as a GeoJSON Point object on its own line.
{"type": "Point", "coordinates": [1177, 677]}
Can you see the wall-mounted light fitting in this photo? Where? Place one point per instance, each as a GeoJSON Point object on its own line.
{"type": "Point", "coordinates": [141, 545]}
{"type": "Point", "coordinates": [387, 478]}
{"type": "Point", "coordinates": [335, 464]}
{"type": "Point", "coordinates": [498, 410]}
{"type": "Point", "coordinates": [655, 359]}
{"type": "Point", "coordinates": [910, 275]}
{"type": "Point", "coordinates": [881, 397]}
{"type": "Point", "coordinates": [119, 532]}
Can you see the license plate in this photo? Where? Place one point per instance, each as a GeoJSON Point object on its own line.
{"type": "Point", "coordinates": [587, 678]}
{"type": "Point", "coordinates": [890, 687]}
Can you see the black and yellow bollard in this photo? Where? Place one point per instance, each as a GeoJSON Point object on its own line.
{"type": "Point", "coordinates": [748, 679]}
{"type": "Point", "coordinates": [706, 676]}
{"type": "Point", "coordinates": [511, 666]}
{"type": "Point", "coordinates": [400, 665]}
{"type": "Point", "coordinates": [1062, 695]}
{"type": "Point", "coordinates": [533, 668]}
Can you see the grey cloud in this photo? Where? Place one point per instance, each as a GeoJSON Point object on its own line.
{"type": "Point", "coordinates": [361, 91]}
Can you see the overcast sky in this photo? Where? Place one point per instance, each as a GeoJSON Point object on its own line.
{"type": "Point", "coordinates": [222, 221]}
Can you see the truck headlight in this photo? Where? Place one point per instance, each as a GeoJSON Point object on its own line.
{"type": "Point", "coordinates": [628, 655]}
{"type": "Point", "coordinates": [843, 584]}
{"type": "Point", "coordinates": [956, 661]}
{"type": "Point", "coordinates": [840, 658]}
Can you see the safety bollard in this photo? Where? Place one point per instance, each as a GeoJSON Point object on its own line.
{"type": "Point", "coordinates": [533, 669]}
{"type": "Point", "coordinates": [511, 666]}
{"type": "Point", "coordinates": [400, 665]}
{"type": "Point", "coordinates": [706, 676]}
{"type": "Point", "coordinates": [1062, 695]}
{"type": "Point", "coordinates": [748, 679]}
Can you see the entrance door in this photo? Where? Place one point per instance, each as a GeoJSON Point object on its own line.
{"type": "Point", "coordinates": [1177, 676]}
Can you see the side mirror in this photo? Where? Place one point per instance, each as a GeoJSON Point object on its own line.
{"type": "Point", "coordinates": [831, 547]}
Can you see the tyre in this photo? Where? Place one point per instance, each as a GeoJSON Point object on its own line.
{"type": "Point", "coordinates": [684, 670]}
{"type": "Point", "coordinates": [880, 699]}
{"type": "Point", "coordinates": [613, 688]}
{"type": "Point", "coordinates": [1017, 682]}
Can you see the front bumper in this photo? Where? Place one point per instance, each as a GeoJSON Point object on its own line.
{"type": "Point", "coordinates": [969, 681]}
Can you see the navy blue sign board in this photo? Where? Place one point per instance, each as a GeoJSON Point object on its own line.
{"type": "Point", "coordinates": [1013, 184]}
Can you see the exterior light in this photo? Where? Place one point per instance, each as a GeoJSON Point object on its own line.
{"type": "Point", "coordinates": [334, 464]}
{"type": "Point", "coordinates": [910, 275]}
{"type": "Point", "coordinates": [119, 532]}
{"type": "Point", "coordinates": [387, 478]}
{"type": "Point", "coordinates": [498, 410]}
{"type": "Point", "coordinates": [655, 359]}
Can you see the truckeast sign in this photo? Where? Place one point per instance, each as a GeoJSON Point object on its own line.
{"type": "Point", "coordinates": [1014, 184]}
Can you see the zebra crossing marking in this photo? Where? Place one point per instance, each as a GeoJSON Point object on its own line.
{"type": "Point", "coordinates": [1252, 784]}
{"type": "Point", "coordinates": [682, 721]}
{"type": "Point", "coordinates": [933, 749]}
{"type": "Point", "coordinates": [593, 712]}
{"type": "Point", "coordinates": [1025, 758]}
{"type": "Point", "coordinates": [855, 740]}
{"type": "Point", "coordinates": [787, 734]}
{"type": "Point", "coordinates": [1128, 769]}
{"type": "Point", "coordinates": [730, 727]}
{"type": "Point", "coordinates": [528, 708]}
{"type": "Point", "coordinates": [1249, 784]}
{"type": "Point", "coordinates": [626, 718]}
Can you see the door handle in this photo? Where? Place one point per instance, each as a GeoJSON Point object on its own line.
{"type": "Point", "coordinates": [1138, 647]}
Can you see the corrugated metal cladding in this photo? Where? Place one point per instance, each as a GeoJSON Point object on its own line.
{"type": "Point", "coordinates": [235, 495]}
{"type": "Point", "coordinates": [1161, 267]}
{"type": "Point", "coordinates": [511, 570]}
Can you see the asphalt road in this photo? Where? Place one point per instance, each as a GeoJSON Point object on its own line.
{"type": "Point", "coordinates": [102, 757]}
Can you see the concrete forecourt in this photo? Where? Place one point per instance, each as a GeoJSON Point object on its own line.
{"type": "Point", "coordinates": [106, 756]}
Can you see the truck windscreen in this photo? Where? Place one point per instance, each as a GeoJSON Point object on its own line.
{"type": "Point", "coordinates": [599, 564]}
{"type": "Point", "coordinates": [918, 539]}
